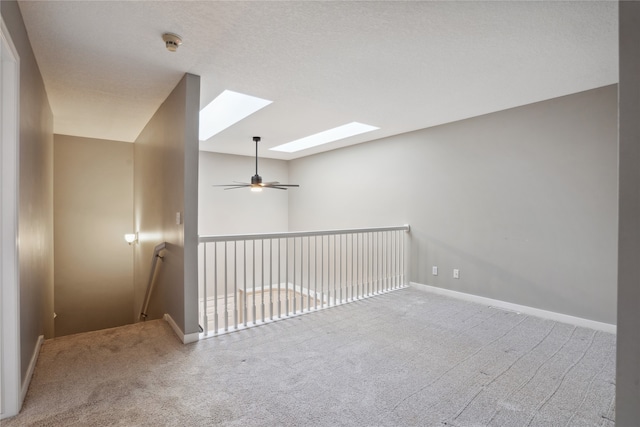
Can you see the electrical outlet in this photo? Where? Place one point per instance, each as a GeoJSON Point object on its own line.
{"type": "Point", "coordinates": [434, 270]}
{"type": "Point", "coordinates": [456, 273]}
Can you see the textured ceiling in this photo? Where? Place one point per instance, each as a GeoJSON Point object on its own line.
{"type": "Point", "coordinates": [400, 66]}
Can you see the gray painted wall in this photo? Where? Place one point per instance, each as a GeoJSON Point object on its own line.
{"type": "Point", "coordinates": [241, 211]}
{"type": "Point", "coordinates": [166, 183]}
{"type": "Point", "coordinates": [522, 201]}
{"type": "Point", "coordinates": [36, 194]}
{"type": "Point", "coordinates": [628, 354]}
{"type": "Point", "coordinates": [93, 209]}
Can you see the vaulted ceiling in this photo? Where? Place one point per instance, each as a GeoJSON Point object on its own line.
{"type": "Point", "coordinates": [400, 66]}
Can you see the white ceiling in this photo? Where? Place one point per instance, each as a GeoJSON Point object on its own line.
{"type": "Point", "coordinates": [400, 66]}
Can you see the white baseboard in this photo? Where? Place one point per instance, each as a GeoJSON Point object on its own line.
{"type": "Point", "coordinates": [30, 369]}
{"type": "Point", "coordinates": [186, 339]}
{"type": "Point", "coordinates": [558, 317]}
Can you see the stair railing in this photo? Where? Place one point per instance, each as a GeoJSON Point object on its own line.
{"type": "Point", "coordinates": [251, 279]}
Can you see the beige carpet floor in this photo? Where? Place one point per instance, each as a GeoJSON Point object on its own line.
{"type": "Point", "coordinates": [406, 358]}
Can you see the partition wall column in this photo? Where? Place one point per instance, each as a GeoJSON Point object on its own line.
{"type": "Point", "coordinates": [628, 347]}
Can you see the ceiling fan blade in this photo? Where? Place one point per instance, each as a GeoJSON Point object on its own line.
{"type": "Point", "coordinates": [236, 187]}
{"type": "Point", "coordinates": [280, 186]}
{"type": "Point", "coordinates": [270, 183]}
{"type": "Point", "coordinates": [239, 184]}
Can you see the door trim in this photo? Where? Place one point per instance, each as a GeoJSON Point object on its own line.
{"type": "Point", "coordinates": [10, 369]}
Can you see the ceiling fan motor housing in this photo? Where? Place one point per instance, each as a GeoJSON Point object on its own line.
{"type": "Point", "coordinates": [256, 179]}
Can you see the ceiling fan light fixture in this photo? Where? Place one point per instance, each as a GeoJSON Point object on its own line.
{"type": "Point", "coordinates": [256, 183]}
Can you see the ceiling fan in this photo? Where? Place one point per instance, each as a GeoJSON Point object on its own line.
{"type": "Point", "coordinates": [256, 180]}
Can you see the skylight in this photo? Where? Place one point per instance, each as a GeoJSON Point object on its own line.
{"type": "Point", "coordinates": [335, 134]}
{"type": "Point", "coordinates": [226, 110]}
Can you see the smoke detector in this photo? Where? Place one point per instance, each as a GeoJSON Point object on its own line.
{"type": "Point", "coordinates": [172, 41]}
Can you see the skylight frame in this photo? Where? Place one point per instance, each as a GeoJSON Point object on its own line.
{"type": "Point", "coordinates": [325, 137]}
{"type": "Point", "coordinates": [227, 109]}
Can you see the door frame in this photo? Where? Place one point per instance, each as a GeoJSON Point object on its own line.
{"type": "Point", "coordinates": [10, 367]}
